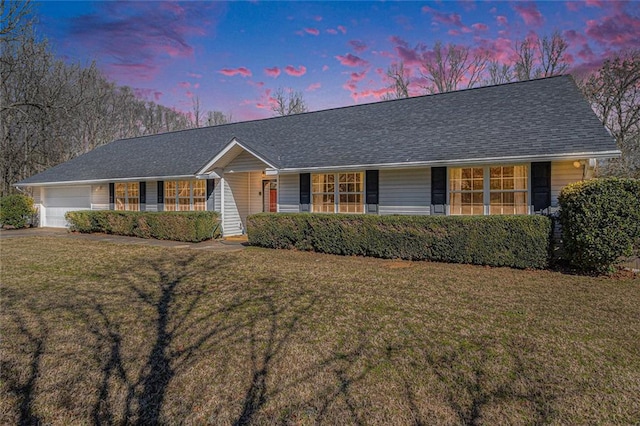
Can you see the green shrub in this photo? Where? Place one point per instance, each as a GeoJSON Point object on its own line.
{"type": "Point", "coordinates": [600, 221]}
{"type": "Point", "coordinates": [16, 210]}
{"type": "Point", "coordinates": [516, 241]}
{"type": "Point", "coordinates": [177, 226]}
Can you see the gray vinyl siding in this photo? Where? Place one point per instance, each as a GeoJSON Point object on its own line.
{"type": "Point", "coordinates": [152, 196]}
{"type": "Point", "coordinates": [289, 193]}
{"type": "Point", "coordinates": [236, 203]}
{"type": "Point", "coordinates": [405, 191]}
{"type": "Point", "coordinates": [100, 197]}
{"type": "Point", "coordinates": [244, 162]}
{"type": "Point", "coordinates": [562, 174]}
{"type": "Point", "coordinates": [255, 193]}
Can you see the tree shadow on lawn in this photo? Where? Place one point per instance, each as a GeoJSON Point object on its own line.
{"type": "Point", "coordinates": [170, 302]}
{"type": "Point", "coordinates": [23, 388]}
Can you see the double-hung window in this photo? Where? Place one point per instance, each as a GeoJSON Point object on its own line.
{"type": "Point", "coordinates": [127, 196]}
{"type": "Point", "coordinates": [502, 189]}
{"type": "Point", "coordinates": [185, 195]}
{"type": "Point", "coordinates": [337, 192]}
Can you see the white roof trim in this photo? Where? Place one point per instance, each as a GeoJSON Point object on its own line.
{"type": "Point", "coordinates": [234, 142]}
{"type": "Point", "coordinates": [462, 161]}
{"type": "Point", "coordinates": [98, 181]}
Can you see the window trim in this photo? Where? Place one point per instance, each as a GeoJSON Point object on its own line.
{"type": "Point", "coordinates": [126, 196]}
{"type": "Point", "coordinates": [336, 192]}
{"type": "Point", "coordinates": [176, 199]}
{"type": "Point", "coordinates": [486, 197]}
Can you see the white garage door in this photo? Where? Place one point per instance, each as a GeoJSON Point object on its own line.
{"type": "Point", "coordinates": [58, 201]}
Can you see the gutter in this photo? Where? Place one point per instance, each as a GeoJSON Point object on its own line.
{"type": "Point", "coordinates": [462, 161]}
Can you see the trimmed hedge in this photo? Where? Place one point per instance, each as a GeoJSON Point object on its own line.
{"type": "Point", "coordinates": [177, 226]}
{"type": "Point", "coordinates": [515, 241]}
{"type": "Point", "coordinates": [16, 210]}
{"type": "Point", "coordinates": [600, 221]}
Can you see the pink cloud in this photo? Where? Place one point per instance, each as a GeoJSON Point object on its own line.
{"type": "Point", "coordinates": [332, 31]}
{"type": "Point", "coordinates": [358, 76]}
{"type": "Point", "coordinates": [620, 30]}
{"type": "Point", "coordinates": [398, 41]}
{"type": "Point", "coordinates": [586, 54]}
{"type": "Point", "coordinates": [342, 29]}
{"type": "Point", "coordinates": [409, 56]}
{"type": "Point", "coordinates": [574, 37]}
{"type": "Point", "coordinates": [317, 18]}
{"type": "Point", "coordinates": [573, 6]}
{"type": "Point", "coordinates": [272, 72]}
{"type": "Point", "coordinates": [325, 67]}
{"type": "Point", "coordinates": [595, 3]}
{"type": "Point", "coordinates": [358, 45]}
{"type": "Point", "coordinates": [230, 72]}
{"type": "Point", "coordinates": [189, 94]}
{"type": "Point", "coordinates": [312, 31]}
{"type": "Point", "coordinates": [502, 20]}
{"type": "Point", "coordinates": [313, 87]}
{"type": "Point", "coordinates": [453, 32]}
{"type": "Point", "coordinates": [196, 86]}
{"type": "Point", "coordinates": [292, 71]}
{"type": "Point", "coordinates": [376, 94]}
{"type": "Point", "coordinates": [479, 27]}
{"type": "Point", "coordinates": [140, 38]}
{"type": "Point", "coordinates": [184, 84]}
{"type": "Point", "coordinates": [500, 49]}
{"type": "Point", "coordinates": [350, 60]}
{"type": "Point", "coordinates": [529, 13]}
{"type": "Point", "coordinates": [443, 18]}
{"type": "Point", "coordinates": [194, 75]}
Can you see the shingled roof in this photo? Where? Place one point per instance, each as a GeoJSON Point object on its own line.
{"type": "Point", "coordinates": [544, 118]}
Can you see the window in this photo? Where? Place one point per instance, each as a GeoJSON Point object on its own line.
{"type": "Point", "coordinates": [185, 195]}
{"type": "Point", "coordinates": [504, 189]}
{"type": "Point", "coordinates": [127, 196]}
{"type": "Point", "coordinates": [508, 190]}
{"type": "Point", "coordinates": [337, 192]}
{"type": "Point", "coordinates": [466, 187]}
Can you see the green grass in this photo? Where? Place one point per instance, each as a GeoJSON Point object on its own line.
{"type": "Point", "coordinates": [95, 332]}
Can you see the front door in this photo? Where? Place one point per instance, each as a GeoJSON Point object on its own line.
{"type": "Point", "coordinates": [270, 196]}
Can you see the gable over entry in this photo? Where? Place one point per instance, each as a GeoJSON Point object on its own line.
{"type": "Point", "coordinates": [240, 186]}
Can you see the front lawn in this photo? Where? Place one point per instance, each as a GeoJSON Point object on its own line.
{"type": "Point", "coordinates": [95, 332]}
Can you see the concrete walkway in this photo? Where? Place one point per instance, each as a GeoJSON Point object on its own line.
{"type": "Point", "coordinates": [230, 245]}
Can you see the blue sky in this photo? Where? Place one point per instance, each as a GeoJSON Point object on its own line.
{"type": "Point", "coordinates": [233, 56]}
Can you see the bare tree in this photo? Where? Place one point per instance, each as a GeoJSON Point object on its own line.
{"type": "Point", "coordinates": [498, 73]}
{"type": "Point", "coordinates": [216, 118]}
{"type": "Point", "coordinates": [196, 113]}
{"type": "Point", "coordinates": [450, 66]}
{"type": "Point", "coordinates": [545, 58]}
{"type": "Point", "coordinates": [614, 93]}
{"type": "Point", "coordinates": [524, 67]}
{"type": "Point", "coordinates": [400, 81]}
{"type": "Point", "coordinates": [552, 59]}
{"type": "Point", "coordinates": [12, 15]}
{"type": "Point", "coordinates": [51, 111]}
{"type": "Point", "coordinates": [288, 102]}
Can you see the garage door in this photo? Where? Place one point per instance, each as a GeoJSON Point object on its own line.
{"type": "Point", "coordinates": [58, 201]}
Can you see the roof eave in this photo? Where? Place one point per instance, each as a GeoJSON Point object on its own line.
{"type": "Point", "coordinates": [463, 161]}
{"type": "Point", "coordinates": [101, 181]}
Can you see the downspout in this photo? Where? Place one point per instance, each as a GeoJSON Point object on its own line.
{"type": "Point", "coordinates": [222, 183]}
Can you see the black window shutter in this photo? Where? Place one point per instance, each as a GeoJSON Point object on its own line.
{"type": "Point", "coordinates": [541, 185]}
{"type": "Point", "coordinates": [305, 188]}
{"type": "Point", "coordinates": [143, 192]}
{"type": "Point", "coordinates": [438, 185]}
{"type": "Point", "coordinates": [160, 192]}
{"type": "Point", "coordinates": [112, 193]}
{"type": "Point", "coordinates": [211, 185]}
{"type": "Point", "coordinates": [372, 186]}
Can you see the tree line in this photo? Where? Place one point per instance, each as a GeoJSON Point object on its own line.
{"type": "Point", "coordinates": [52, 111]}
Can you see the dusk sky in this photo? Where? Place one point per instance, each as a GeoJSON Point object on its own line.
{"type": "Point", "coordinates": [233, 56]}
